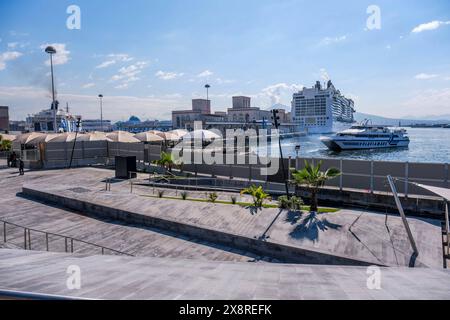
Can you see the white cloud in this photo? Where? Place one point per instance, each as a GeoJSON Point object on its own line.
{"type": "Point", "coordinates": [331, 40]}
{"type": "Point", "coordinates": [129, 74]}
{"type": "Point", "coordinates": [224, 81]}
{"type": "Point", "coordinates": [274, 92]}
{"type": "Point", "coordinates": [12, 45]}
{"type": "Point", "coordinates": [205, 74]}
{"type": "Point", "coordinates": [62, 55]}
{"type": "Point", "coordinates": [14, 33]}
{"type": "Point", "coordinates": [324, 75]}
{"type": "Point", "coordinates": [8, 56]}
{"type": "Point", "coordinates": [120, 57]}
{"type": "Point", "coordinates": [168, 75]}
{"type": "Point", "coordinates": [114, 58]}
{"type": "Point", "coordinates": [88, 85]}
{"type": "Point", "coordinates": [122, 86]}
{"type": "Point", "coordinates": [105, 64]}
{"type": "Point", "coordinates": [425, 76]}
{"type": "Point", "coordinates": [433, 25]}
{"type": "Point", "coordinates": [16, 45]}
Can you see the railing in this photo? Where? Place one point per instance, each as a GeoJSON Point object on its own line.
{"type": "Point", "coordinates": [68, 241]}
{"type": "Point", "coordinates": [364, 175]}
{"type": "Point", "coordinates": [447, 226]}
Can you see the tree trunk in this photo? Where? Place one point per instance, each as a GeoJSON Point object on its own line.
{"type": "Point", "coordinates": [314, 202]}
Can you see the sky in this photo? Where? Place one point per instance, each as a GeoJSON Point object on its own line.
{"type": "Point", "coordinates": [149, 57]}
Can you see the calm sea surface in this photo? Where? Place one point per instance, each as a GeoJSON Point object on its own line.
{"type": "Point", "coordinates": [427, 145]}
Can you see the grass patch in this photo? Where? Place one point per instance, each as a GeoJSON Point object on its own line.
{"type": "Point", "coordinates": [242, 204]}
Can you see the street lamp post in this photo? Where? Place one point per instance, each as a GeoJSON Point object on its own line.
{"type": "Point", "coordinates": [51, 51]}
{"type": "Point", "coordinates": [207, 86]}
{"type": "Point", "coordinates": [101, 111]}
{"type": "Point", "coordinates": [276, 123]}
{"type": "Point", "coordinates": [78, 124]}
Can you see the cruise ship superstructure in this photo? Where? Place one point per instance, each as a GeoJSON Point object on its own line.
{"type": "Point", "coordinates": [44, 120]}
{"type": "Point", "coordinates": [322, 110]}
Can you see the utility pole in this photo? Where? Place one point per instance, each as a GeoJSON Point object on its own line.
{"type": "Point", "coordinates": [207, 86]}
{"type": "Point", "coordinates": [101, 111]}
{"type": "Point", "coordinates": [75, 140]}
{"type": "Point", "coordinates": [276, 123]}
{"type": "Point", "coordinates": [51, 51]}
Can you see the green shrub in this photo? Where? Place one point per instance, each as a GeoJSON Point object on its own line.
{"type": "Point", "coordinates": [294, 203]}
{"type": "Point", "coordinates": [258, 195]}
{"type": "Point", "coordinates": [212, 197]}
{"type": "Point", "coordinates": [284, 202]}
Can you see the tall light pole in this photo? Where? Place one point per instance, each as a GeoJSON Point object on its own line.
{"type": "Point", "coordinates": [101, 110]}
{"type": "Point", "coordinates": [207, 86]}
{"type": "Point", "coordinates": [276, 123]}
{"type": "Point", "coordinates": [51, 51]}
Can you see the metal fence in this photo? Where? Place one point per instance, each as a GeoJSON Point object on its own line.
{"type": "Point", "coordinates": [356, 174]}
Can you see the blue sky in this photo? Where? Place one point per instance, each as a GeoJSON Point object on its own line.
{"type": "Point", "coordinates": [151, 57]}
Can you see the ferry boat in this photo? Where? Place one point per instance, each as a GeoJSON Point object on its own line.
{"type": "Point", "coordinates": [367, 136]}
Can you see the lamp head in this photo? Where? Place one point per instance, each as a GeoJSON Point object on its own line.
{"type": "Point", "coordinates": [50, 50]}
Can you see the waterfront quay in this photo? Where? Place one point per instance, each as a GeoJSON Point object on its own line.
{"type": "Point", "coordinates": [156, 247]}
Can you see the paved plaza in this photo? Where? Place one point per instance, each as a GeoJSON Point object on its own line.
{"type": "Point", "coordinates": [113, 277]}
{"type": "Point", "coordinates": [176, 265]}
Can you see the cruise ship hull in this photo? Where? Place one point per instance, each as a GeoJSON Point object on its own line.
{"type": "Point", "coordinates": [359, 144]}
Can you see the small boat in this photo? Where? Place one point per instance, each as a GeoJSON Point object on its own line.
{"type": "Point", "coordinates": [367, 136]}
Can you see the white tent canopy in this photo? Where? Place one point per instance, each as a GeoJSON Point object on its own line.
{"type": "Point", "coordinates": [9, 137]}
{"type": "Point", "coordinates": [31, 138]}
{"type": "Point", "coordinates": [202, 135]}
{"type": "Point", "coordinates": [179, 132]}
{"type": "Point", "coordinates": [148, 137]}
{"type": "Point", "coordinates": [122, 136]}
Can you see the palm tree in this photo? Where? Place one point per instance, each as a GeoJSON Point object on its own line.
{"type": "Point", "coordinates": [257, 194]}
{"type": "Point", "coordinates": [311, 177]}
{"type": "Point", "coordinates": [5, 145]}
{"type": "Point", "coordinates": [165, 161]}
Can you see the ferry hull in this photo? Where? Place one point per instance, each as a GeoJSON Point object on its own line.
{"type": "Point", "coordinates": [341, 145]}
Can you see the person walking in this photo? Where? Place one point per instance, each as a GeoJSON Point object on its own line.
{"type": "Point", "coordinates": [21, 166]}
{"type": "Point", "coordinates": [14, 160]}
{"type": "Point", "coordinates": [9, 160]}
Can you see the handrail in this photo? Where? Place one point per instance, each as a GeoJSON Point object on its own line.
{"type": "Point", "coordinates": [402, 214]}
{"type": "Point", "coordinates": [27, 239]}
{"type": "Point", "coordinates": [447, 225]}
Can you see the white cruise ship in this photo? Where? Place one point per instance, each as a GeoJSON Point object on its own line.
{"type": "Point", "coordinates": [44, 120]}
{"type": "Point", "coordinates": [322, 110]}
{"type": "Point", "coordinates": [365, 136]}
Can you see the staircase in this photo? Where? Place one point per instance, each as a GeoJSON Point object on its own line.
{"type": "Point", "coordinates": [14, 236]}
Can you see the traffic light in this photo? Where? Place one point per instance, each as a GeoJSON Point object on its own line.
{"type": "Point", "coordinates": [275, 118]}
